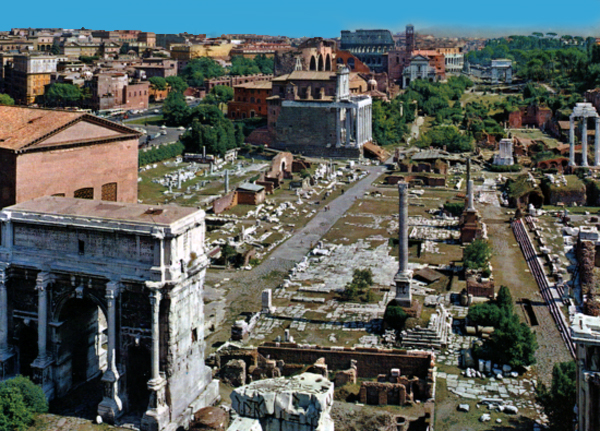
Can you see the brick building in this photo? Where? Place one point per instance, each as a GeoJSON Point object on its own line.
{"type": "Point", "coordinates": [314, 54]}
{"type": "Point", "coordinates": [233, 80]}
{"type": "Point", "coordinates": [160, 67]}
{"type": "Point", "coordinates": [532, 115]}
{"type": "Point", "coordinates": [250, 100]}
{"type": "Point", "coordinates": [114, 90]}
{"type": "Point", "coordinates": [61, 153]}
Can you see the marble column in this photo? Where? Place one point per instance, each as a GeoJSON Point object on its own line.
{"type": "Point", "coordinates": [584, 140]}
{"type": "Point", "coordinates": [111, 406]}
{"type": "Point", "coordinates": [571, 141]}
{"type": "Point", "coordinates": [7, 364]}
{"type": "Point", "coordinates": [338, 127]}
{"type": "Point", "coordinates": [155, 297]}
{"type": "Point", "coordinates": [348, 126]}
{"type": "Point", "coordinates": [470, 205]}
{"type": "Point", "coordinates": [157, 415]}
{"type": "Point", "coordinates": [403, 277]}
{"type": "Point", "coordinates": [597, 142]}
{"type": "Point", "coordinates": [42, 371]}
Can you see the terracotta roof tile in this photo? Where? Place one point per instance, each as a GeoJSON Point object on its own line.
{"type": "Point", "coordinates": [20, 126]}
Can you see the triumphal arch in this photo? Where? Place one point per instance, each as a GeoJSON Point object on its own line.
{"type": "Point", "coordinates": [108, 292]}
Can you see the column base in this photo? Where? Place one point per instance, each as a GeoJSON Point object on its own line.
{"type": "Point", "coordinates": [156, 417]}
{"type": "Point", "coordinates": [111, 406]}
{"type": "Point", "coordinates": [403, 293]}
{"type": "Point", "coordinates": [42, 375]}
{"type": "Point", "coordinates": [7, 364]}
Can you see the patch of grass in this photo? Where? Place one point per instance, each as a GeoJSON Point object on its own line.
{"type": "Point", "coordinates": [157, 120]}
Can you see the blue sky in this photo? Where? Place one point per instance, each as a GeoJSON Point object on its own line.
{"type": "Point", "coordinates": [310, 17]}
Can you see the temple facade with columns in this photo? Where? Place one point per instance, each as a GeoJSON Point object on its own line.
{"type": "Point", "coordinates": [584, 111]}
{"type": "Point", "coordinates": [92, 289]}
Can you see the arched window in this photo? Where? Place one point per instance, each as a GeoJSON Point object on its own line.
{"type": "Point", "coordinates": [109, 192]}
{"type": "Point", "coordinates": [313, 63]}
{"type": "Point", "coordinates": [321, 65]}
{"type": "Point", "coordinates": [340, 60]}
{"type": "Point", "coordinates": [85, 193]}
{"type": "Point", "coordinates": [328, 62]}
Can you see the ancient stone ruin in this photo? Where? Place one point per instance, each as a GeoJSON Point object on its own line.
{"type": "Point", "coordinates": [299, 403]}
{"type": "Point", "coordinates": [90, 288]}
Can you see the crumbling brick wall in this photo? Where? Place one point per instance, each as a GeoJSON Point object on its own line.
{"type": "Point", "coordinates": [586, 258]}
{"type": "Point", "coordinates": [370, 362]}
{"type": "Point", "coordinates": [226, 202]}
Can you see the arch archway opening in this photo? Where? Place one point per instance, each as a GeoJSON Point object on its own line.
{"type": "Point", "coordinates": [138, 374]}
{"type": "Point", "coordinates": [313, 63]}
{"type": "Point", "coordinates": [81, 341]}
{"type": "Point", "coordinates": [321, 65]}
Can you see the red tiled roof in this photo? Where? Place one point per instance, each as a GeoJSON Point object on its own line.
{"type": "Point", "coordinates": [21, 127]}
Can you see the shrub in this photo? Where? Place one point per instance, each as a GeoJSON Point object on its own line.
{"type": "Point", "coordinates": [33, 395]}
{"type": "Point", "coordinates": [505, 168]}
{"type": "Point", "coordinates": [559, 401]}
{"type": "Point", "coordinates": [454, 208]}
{"type": "Point", "coordinates": [395, 317]}
{"type": "Point", "coordinates": [14, 414]}
{"type": "Point", "coordinates": [160, 153]}
{"type": "Point", "coordinates": [477, 254]}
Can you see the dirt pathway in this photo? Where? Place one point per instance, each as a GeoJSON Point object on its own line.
{"type": "Point", "coordinates": [510, 269]}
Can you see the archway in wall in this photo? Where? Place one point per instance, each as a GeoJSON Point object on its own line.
{"type": "Point", "coordinates": [328, 62]}
{"type": "Point", "coordinates": [321, 65]}
{"type": "Point", "coordinates": [313, 63]}
{"type": "Point", "coordinates": [81, 340]}
{"type": "Point", "coordinates": [27, 347]}
{"type": "Point", "coordinates": [340, 60]}
{"type": "Point", "coordinates": [138, 374]}
{"type": "Point", "coordinates": [351, 64]}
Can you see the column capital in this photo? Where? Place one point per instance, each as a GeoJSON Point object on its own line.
{"type": "Point", "coordinates": [112, 289]}
{"type": "Point", "coordinates": [42, 280]}
{"type": "Point", "coordinates": [155, 296]}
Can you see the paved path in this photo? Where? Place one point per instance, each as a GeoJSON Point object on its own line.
{"type": "Point", "coordinates": [296, 247]}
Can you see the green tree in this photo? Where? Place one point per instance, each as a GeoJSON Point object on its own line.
{"type": "Point", "coordinates": [55, 49]}
{"type": "Point", "coordinates": [158, 83]}
{"type": "Point", "coordinates": [175, 110]}
{"type": "Point", "coordinates": [200, 69]}
{"type": "Point", "coordinates": [477, 254]}
{"type": "Point", "coordinates": [504, 300]}
{"type": "Point", "coordinates": [559, 401]}
{"type": "Point", "coordinates": [454, 208]}
{"type": "Point", "coordinates": [33, 395]}
{"type": "Point", "coordinates": [5, 99]}
{"type": "Point", "coordinates": [62, 95]}
{"type": "Point", "coordinates": [176, 83]}
{"type": "Point", "coordinates": [228, 253]}
{"type": "Point", "coordinates": [264, 63]}
{"type": "Point", "coordinates": [222, 93]}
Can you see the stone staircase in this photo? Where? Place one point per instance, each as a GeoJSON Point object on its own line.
{"type": "Point", "coordinates": [434, 336]}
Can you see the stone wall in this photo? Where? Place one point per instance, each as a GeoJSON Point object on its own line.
{"type": "Point", "coordinates": [370, 362]}
{"type": "Point", "coordinates": [226, 202]}
{"type": "Point", "coordinates": [8, 177]}
{"type": "Point", "coordinates": [306, 126]}
{"type": "Point", "coordinates": [586, 257]}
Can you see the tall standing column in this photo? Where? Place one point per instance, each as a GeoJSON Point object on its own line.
{"type": "Point", "coordinates": [403, 227]}
{"type": "Point", "coordinates": [348, 125]}
{"type": "Point", "coordinates": [157, 415]}
{"type": "Point", "coordinates": [584, 160]}
{"type": "Point", "coordinates": [111, 406]}
{"type": "Point", "coordinates": [470, 205]}
{"type": "Point", "coordinates": [155, 297]}
{"type": "Point", "coordinates": [6, 352]}
{"type": "Point", "coordinates": [403, 277]}
{"type": "Point", "coordinates": [597, 142]}
{"type": "Point", "coordinates": [42, 371]}
{"type": "Point", "coordinates": [571, 141]}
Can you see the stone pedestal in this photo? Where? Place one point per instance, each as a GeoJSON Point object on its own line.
{"type": "Point", "coordinates": [403, 293]}
{"type": "Point", "coordinates": [267, 305]}
{"type": "Point", "coordinates": [42, 375]}
{"type": "Point", "coordinates": [157, 416]}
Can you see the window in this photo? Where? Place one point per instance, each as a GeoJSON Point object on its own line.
{"type": "Point", "coordinates": [59, 195]}
{"type": "Point", "coordinates": [109, 192]}
{"type": "Point", "coordinates": [85, 193]}
{"type": "Point", "coordinates": [81, 247]}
